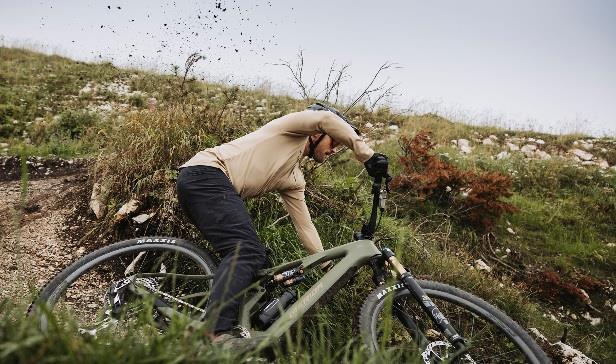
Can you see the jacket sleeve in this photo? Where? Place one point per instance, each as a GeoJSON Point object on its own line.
{"type": "Point", "coordinates": [309, 122]}
{"type": "Point", "coordinates": [295, 205]}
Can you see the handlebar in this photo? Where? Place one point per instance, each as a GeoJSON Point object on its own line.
{"type": "Point", "coordinates": [378, 203]}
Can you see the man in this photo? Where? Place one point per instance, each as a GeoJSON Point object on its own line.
{"type": "Point", "coordinates": [212, 184]}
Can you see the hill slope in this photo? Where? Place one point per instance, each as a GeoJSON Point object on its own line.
{"type": "Point", "coordinates": [552, 264]}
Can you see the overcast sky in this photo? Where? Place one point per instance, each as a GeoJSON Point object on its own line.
{"type": "Point", "coordinates": [548, 65]}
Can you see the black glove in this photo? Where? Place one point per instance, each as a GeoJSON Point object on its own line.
{"type": "Point", "coordinates": [377, 165]}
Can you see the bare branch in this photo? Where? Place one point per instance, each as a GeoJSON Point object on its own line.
{"type": "Point", "coordinates": [367, 90]}
{"type": "Point", "coordinates": [297, 73]}
{"type": "Point", "coordinates": [336, 76]}
{"type": "Point", "coordinates": [188, 65]}
{"type": "Point", "coordinates": [335, 85]}
{"type": "Point", "coordinates": [388, 92]}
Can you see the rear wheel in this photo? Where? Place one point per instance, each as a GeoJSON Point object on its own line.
{"type": "Point", "coordinates": [392, 321]}
{"type": "Point", "coordinates": [129, 283]}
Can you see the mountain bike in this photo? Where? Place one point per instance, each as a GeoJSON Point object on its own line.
{"type": "Point", "coordinates": [168, 278]}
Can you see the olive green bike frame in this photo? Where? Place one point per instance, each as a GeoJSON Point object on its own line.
{"type": "Point", "coordinates": [351, 255]}
{"type": "Point", "coordinates": [354, 254]}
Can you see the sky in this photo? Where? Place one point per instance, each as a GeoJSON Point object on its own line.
{"type": "Point", "coordinates": [546, 65]}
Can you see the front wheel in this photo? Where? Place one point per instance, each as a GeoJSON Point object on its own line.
{"type": "Point", "coordinates": [391, 321]}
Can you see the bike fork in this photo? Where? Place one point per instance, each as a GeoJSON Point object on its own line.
{"type": "Point", "coordinates": [425, 302]}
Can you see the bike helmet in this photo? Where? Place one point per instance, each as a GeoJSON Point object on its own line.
{"type": "Point", "coordinates": [319, 106]}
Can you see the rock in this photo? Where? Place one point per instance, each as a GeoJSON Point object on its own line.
{"type": "Point", "coordinates": [530, 140]}
{"type": "Point", "coordinates": [140, 219]}
{"type": "Point", "coordinates": [528, 148]}
{"type": "Point", "coordinates": [97, 203]}
{"type": "Point", "coordinates": [464, 145]}
{"type": "Point", "coordinates": [560, 352]}
{"type": "Point", "coordinates": [602, 163]}
{"type": "Point", "coordinates": [394, 128]}
{"type": "Point", "coordinates": [368, 125]}
{"type": "Point", "coordinates": [585, 156]}
{"type": "Point", "coordinates": [481, 265]}
{"type": "Point", "coordinates": [152, 103]}
{"type": "Point", "coordinates": [594, 321]}
{"type": "Point", "coordinates": [510, 231]}
{"type": "Point", "coordinates": [540, 141]}
{"type": "Point", "coordinates": [502, 155]}
{"type": "Point", "coordinates": [493, 137]}
{"type": "Point", "coordinates": [127, 209]}
{"type": "Point", "coordinates": [512, 147]}
{"type": "Point", "coordinates": [542, 155]}
{"type": "Point", "coordinates": [611, 245]}
{"type": "Point", "coordinates": [568, 355]}
{"type": "Point", "coordinates": [586, 145]}
{"type": "Point", "coordinates": [87, 89]}
{"type": "Point", "coordinates": [488, 141]}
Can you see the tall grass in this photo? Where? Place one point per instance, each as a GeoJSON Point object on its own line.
{"type": "Point", "coordinates": [567, 212]}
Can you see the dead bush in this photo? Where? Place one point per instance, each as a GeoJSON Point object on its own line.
{"type": "Point", "coordinates": [474, 199]}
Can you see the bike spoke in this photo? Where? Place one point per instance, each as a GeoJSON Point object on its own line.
{"type": "Point", "coordinates": [104, 291]}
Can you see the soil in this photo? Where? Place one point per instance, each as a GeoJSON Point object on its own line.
{"type": "Point", "coordinates": [10, 167]}
{"type": "Point", "coordinates": [39, 228]}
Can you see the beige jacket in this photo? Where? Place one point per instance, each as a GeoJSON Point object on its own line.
{"type": "Point", "coordinates": [268, 160]}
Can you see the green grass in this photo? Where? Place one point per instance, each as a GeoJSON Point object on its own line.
{"type": "Point", "coordinates": [565, 221]}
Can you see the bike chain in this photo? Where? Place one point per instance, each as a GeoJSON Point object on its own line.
{"type": "Point", "coordinates": [166, 295]}
{"type": "Point", "coordinates": [152, 287]}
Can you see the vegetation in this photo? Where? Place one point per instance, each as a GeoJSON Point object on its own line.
{"type": "Point", "coordinates": [137, 127]}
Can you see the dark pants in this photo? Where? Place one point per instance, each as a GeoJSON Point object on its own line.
{"type": "Point", "coordinates": [208, 198]}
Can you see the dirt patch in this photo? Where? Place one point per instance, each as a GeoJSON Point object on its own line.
{"type": "Point", "coordinates": [38, 231]}
{"type": "Point", "coordinates": [10, 167]}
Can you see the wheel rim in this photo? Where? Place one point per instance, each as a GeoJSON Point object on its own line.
{"type": "Point", "coordinates": [490, 340]}
{"type": "Point", "coordinates": [155, 273]}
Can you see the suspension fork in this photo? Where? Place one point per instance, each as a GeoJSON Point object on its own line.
{"type": "Point", "coordinates": [425, 302]}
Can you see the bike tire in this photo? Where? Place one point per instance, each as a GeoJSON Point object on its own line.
{"type": "Point", "coordinates": [50, 294]}
{"type": "Point", "coordinates": [443, 294]}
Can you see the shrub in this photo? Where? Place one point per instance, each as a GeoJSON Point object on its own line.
{"type": "Point", "coordinates": [474, 198]}
{"type": "Point", "coordinates": [136, 101]}
{"type": "Point", "coordinates": [74, 123]}
{"type": "Point", "coordinates": [7, 114]}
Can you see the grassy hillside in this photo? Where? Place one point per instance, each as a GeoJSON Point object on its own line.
{"type": "Point", "coordinates": [136, 127]}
